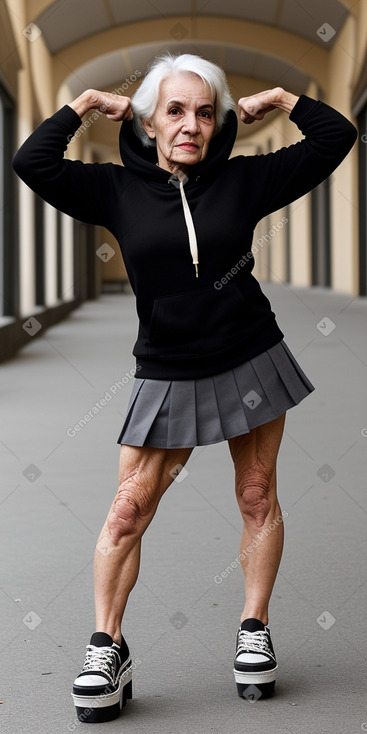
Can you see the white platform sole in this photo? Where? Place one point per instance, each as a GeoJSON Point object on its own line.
{"type": "Point", "coordinates": [255, 678]}
{"type": "Point", "coordinates": [107, 706]}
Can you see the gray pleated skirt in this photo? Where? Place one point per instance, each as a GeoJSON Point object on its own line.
{"type": "Point", "coordinates": [189, 413]}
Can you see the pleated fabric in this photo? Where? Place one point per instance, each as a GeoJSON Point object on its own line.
{"type": "Point", "coordinates": [189, 413]}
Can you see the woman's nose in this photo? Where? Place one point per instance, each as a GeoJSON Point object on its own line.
{"type": "Point", "coordinates": [190, 124]}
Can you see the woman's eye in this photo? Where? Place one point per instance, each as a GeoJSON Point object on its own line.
{"type": "Point", "coordinates": [204, 113]}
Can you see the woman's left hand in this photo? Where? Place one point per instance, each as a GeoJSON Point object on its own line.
{"type": "Point", "coordinates": [256, 106]}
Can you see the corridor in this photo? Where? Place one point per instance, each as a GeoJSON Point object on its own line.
{"type": "Point", "coordinates": [64, 397]}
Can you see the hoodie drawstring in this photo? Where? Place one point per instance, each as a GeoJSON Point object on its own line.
{"type": "Point", "coordinates": [190, 229]}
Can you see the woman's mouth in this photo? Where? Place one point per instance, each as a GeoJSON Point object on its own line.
{"type": "Point", "coordinates": [188, 146]}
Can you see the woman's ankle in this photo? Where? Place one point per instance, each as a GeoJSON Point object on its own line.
{"type": "Point", "coordinates": [254, 613]}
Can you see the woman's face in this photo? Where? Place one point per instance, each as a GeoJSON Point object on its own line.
{"type": "Point", "coordinates": [183, 122]}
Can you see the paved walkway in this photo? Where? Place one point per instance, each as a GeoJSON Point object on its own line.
{"type": "Point", "coordinates": [59, 477]}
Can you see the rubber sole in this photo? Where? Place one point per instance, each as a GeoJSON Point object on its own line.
{"type": "Point", "coordinates": [253, 692]}
{"type": "Point", "coordinates": [97, 709]}
{"type": "Point", "coordinates": [254, 686]}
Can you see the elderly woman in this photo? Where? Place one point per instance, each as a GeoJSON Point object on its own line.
{"type": "Point", "coordinates": [211, 361]}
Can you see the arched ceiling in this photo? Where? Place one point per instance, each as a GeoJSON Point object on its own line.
{"type": "Point", "coordinates": [110, 69]}
{"type": "Point", "coordinates": [67, 23]}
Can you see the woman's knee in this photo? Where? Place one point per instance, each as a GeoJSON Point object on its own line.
{"type": "Point", "coordinates": [145, 474]}
{"type": "Point", "coordinates": [255, 490]}
{"type": "Point", "coordinates": [131, 509]}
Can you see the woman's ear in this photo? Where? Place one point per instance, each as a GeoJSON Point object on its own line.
{"type": "Point", "coordinates": [149, 129]}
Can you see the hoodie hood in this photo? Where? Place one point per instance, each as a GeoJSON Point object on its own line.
{"type": "Point", "coordinates": [142, 160]}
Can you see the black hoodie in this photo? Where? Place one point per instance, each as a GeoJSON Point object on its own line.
{"type": "Point", "coordinates": [189, 326]}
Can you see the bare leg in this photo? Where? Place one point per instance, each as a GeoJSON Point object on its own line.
{"type": "Point", "coordinates": [143, 478]}
{"type": "Point", "coordinates": [255, 455]}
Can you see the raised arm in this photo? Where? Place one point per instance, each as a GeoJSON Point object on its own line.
{"type": "Point", "coordinates": [85, 191]}
{"type": "Point", "coordinates": [279, 178]}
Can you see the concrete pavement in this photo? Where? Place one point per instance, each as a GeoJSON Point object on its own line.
{"type": "Point", "coordinates": [57, 483]}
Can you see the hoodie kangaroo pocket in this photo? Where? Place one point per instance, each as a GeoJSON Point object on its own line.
{"type": "Point", "coordinates": [189, 323]}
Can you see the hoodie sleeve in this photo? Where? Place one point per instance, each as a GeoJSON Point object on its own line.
{"type": "Point", "coordinates": [84, 191]}
{"type": "Point", "coordinates": [282, 177]}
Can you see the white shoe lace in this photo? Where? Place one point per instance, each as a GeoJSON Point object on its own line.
{"type": "Point", "coordinates": [255, 642]}
{"type": "Point", "coordinates": [100, 659]}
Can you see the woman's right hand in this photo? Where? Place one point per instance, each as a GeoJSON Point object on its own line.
{"type": "Point", "coordinates": [114, 106]}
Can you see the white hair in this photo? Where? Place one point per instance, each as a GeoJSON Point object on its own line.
{"type": "Point", "coordinates": [145, 99]}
